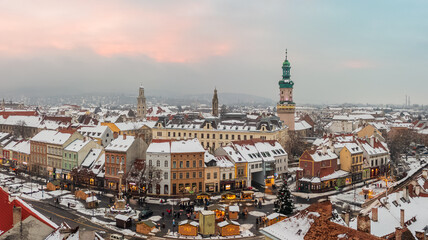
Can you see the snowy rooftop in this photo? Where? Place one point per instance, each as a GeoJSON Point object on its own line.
{"type": "Point", "coordinates": [159, 147]}
{"type": "Point", "coordinates": [120, 144]}
{"type": "Point", "coordinates": [227, 222]}
{"type": "Point", "coordinates": [319, 155]}
{"type": "Point", "coordinates": [353, 148]}
{"type": "Point", "coordinates": [22, 147]}
{"type": "Point", "coordinates": [234, 208]}
{"type": "Point", "coordinates": [95, 131]}
{"type": "Point", "coordinates": [185, 146]}
{"type": "Point", "coordinates": [51, 137]}
{"type": "Point", "coordinates": [93, 155]}
{"type": "Point", "coordinates": [76, 145]}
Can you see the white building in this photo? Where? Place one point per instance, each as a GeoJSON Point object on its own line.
{"type": "Point", "coordinates": [103, 134]}
{"type": "Point", "coordinates": [159, 155]}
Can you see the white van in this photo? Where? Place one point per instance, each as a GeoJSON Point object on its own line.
{"type": "Point", "coordinates": [116, 237]}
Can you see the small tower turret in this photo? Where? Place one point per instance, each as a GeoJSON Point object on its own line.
{"type": "Point", "coordinates": [215, 103]}
{"type": "Point", "coordinates": [141, 104]}
{"type": "Point", "coordinates": [286, 106]}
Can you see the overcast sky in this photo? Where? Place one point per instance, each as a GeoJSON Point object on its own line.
{"type": "Point", "coordinates": [340, 51]}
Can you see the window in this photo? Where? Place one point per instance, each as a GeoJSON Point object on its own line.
{"type": "Point", "coordinates": [227, 136]}
{"type": "Point", "coordinates": [181, 175]}
{"type": "Point", "coordinates": [179, 134]}
{"type": "Point", "coordinates": [194, 164]}
{"type": "Point", "coordinates": [208, 175]}
{"type": "Point", "coordinates": [108, 158]}
{"type": "Point", "coordinates": [233, 137]}
{"type": "Point", "coordinates": [200, 163]}
{"type": "Point", "coordinates": [215, 175]}
{"type": "Point", "coordinates": [117, 160]}
{"type": "Point", "coordinates": [187, 175]}
{"type": "Point", "coordinates": [174, 164]}
{"type": "Point", "coordinates": [202, 135]}
{"type": "Point", "coordinates": [187, 164]}
{"type": "Point", "coordinates": [230, 175]}
{"type": "Point", "coordinates": [174, 175]}
{"type": "Point", "coordinates": [213, 136]}
{"type": "Point", "coordinates": [221, 136]}
{"type": "Point", "coordinates": [150, 162]}
{"type": "Point", "coordinates": [181, 164]}
{"type": "Point", "coordinates": [224, 176]}
{"type": "Point", "coordinates": [194, 174]}
{"type": "Point", "coordinates": [173, 134]}
{"type": "Point", "coordinates": [169, 134]}
{"type": "Point", "coordinates": [159, 134]}
{"type": "Point", "coordinates": [166, 164]}
{"type": "Point", "coordinates": [158, 163]}
{"type": "Point", "coordinates": [196, 135]}
{"type": "Point", "coordinates": [200, 174]}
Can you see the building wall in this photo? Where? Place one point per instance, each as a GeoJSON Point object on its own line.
{"type": "Point", "coordinates": [213, 138]}
{"type": "Point", "coordinates": [212, 179]}
{"type": "Point", "coordinates": [191, 176]}
{"type": "Point", "coordinates": [38, 152]}
{"type": "Point", "coordinates": [165, 165]}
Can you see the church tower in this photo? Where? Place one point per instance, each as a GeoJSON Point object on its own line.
{"type": "Point", "coordinates": [286, 106]}
{"type": "Point", "coordinates": [215, 104]}
{"type": "Point", "coordinates": [141, 104]}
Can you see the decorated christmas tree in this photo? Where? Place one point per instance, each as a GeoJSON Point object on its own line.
{"type": "Point", "coordinates": [284, 203]}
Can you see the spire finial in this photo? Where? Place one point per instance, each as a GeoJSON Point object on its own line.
{"type": "Point", "coordinates": [286, 54]}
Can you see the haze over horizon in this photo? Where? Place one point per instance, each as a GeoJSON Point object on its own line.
{"type": "Point", "coordinates": [353, 52]}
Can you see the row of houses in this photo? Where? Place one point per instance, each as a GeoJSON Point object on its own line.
{"type": "Point", "coordinates": [341, 159]}
{"type": "Point", "coordinates": [182, 166]}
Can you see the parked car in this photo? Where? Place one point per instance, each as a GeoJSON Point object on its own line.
{"type": "Point", "coordinates": [145, 213]}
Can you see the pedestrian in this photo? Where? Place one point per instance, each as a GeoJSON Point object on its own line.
{"type": "Point", "coordinates": [163, 214]}
{"type": "Point", "coordinates": [307, 198]}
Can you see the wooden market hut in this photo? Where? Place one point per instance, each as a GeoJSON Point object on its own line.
{"type": "Point", "coordinates": [145, 227]}
{"type": "Point", "coordinates": [53, 185]}
{"type": "Point", "coordinates": [188, 228]}
{"type": "Point", "coordinates": [233, 212]}
{"type": "Point", "coordinates": [228, 196]}
{"type": "Point", "coordinates": [196, 211]}
{"type": "Point", "coordinates": [219, 210]}
{"type": "Point", "coordinates": [123, 221]}
{"type": "Point", "coordinates": [274, 218]}
{"type": "Point", "coordinates": [247, 195]}
{"type": "Point", "coordinates": [83, 194]}
{"type": "Point", "coordinates": [203, 195]}
{"type": "Point", "coordinates": [91, 202]}
{"type": "Point", "coordinates": [228, 228]}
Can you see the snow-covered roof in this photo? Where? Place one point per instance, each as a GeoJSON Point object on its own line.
{"type": "Point", "coordinates": [234, 208]}
{"type": "Point", "coordinates": [93, 155]}
{"type": "Point", "coordinates": [51, 137]}
{"type": "Point", "coordinates": [335, 175]}
{"type": "Point", "coordinates": [193, 223]}
{"type": "Point", "coordinates": [159, 147]}
{"type": "Point", "coordinates": [22, 147]}
{"type": "Point", "coordinates": [94, 132]}
{"type": "Point", "coordinates": [91, 199]}
{"type": "Point", "coordinates": [301, 125]}
{"type": "Point", "coordinates": [320, 155]}
{"type": "Point", "coordinates": [184, 146]}
{"type": "Point", "coordinates": [275, 215]}
{"type": "Point", "coordinates": [120, 144]}
{"type": "Point", "coordinates": [292, 228]}
{"type": "Point", "coordinates": [76, 145]}
{"type": "Point", "coordinates": [122, 217]}
{"type": "Point", "coordinates": [227, 222]}
{"type": "Point", "coordinates": [353, 148]}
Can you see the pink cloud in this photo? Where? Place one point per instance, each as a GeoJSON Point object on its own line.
{"type": "Point", "coordinates": [358, 64]}
{"type": "Point", "coordinates": [109, 29]}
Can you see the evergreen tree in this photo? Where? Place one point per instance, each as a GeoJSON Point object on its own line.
{"type": "Point", "coordinates": [284, 203]}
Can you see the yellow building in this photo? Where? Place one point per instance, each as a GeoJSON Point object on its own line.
{"type": "Point", "coordinates": [351, 160]}
{"type": "Point", "coordinates": [369, 131]}
{"type": "Point", "coordinates": [213, 134]}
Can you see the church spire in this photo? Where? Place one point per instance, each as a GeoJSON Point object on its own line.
{"type": "Point", "coordinates": [215, 103]}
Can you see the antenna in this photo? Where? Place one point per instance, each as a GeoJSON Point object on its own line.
{"type": "Point", "coordinates": [285, 54]}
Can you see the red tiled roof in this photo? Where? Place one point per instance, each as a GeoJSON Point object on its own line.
{"type": "Point", "coordinates": [6, 212]}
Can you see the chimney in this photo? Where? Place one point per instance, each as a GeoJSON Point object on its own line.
{"type": "Point", "coordinates": [324, 149]}
{"type": "Point", "coordinates": [418, 190]}
{"type": "Point", "coordinates": [363, 223]}
{"type": "Point", "coordinates": [398, 233]}
{"type": "Point", "coordinates": [374, 214]}
{"type": "Point", "coordinates": [347, 218]}
{"type": "Point", "coordinates": [425, 173]}
{"type": "Point", "coordinates": [402, 218]}
{"type": "Point", "coordinates": [372, 141]}
{"type": "Point", "coordinates": [406, 189]}
{"type": "Point", "coordinates": [124, 136]}
{"type": "Point", "coordinates": [115, 135]}
{"type": "Point", "coordinates": [16, 215]}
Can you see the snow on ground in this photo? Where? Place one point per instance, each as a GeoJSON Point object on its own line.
{"type": "Point", "coordinates": [246, 226]}
{"type": "Point", "coordinates": [80, 206]}
{"type": "Point", "coordinates": [155, 218]}
{"type": "Point", "coordinates": [36, 196]}
{"type": "Point", "coordinates": [257, 213]}
{"type": "Point", "coordinates": [57, 193]}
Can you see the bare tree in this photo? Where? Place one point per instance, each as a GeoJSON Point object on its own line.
{"type": "Point", "coordinates": [21, 129]}
{"type": "Point", "coordinates": [295, 144]}
{"type": "Point", "coordinates": [146, 177]}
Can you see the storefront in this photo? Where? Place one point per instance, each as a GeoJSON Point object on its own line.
{"type": "Point", "coordinates": [227, 185]}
